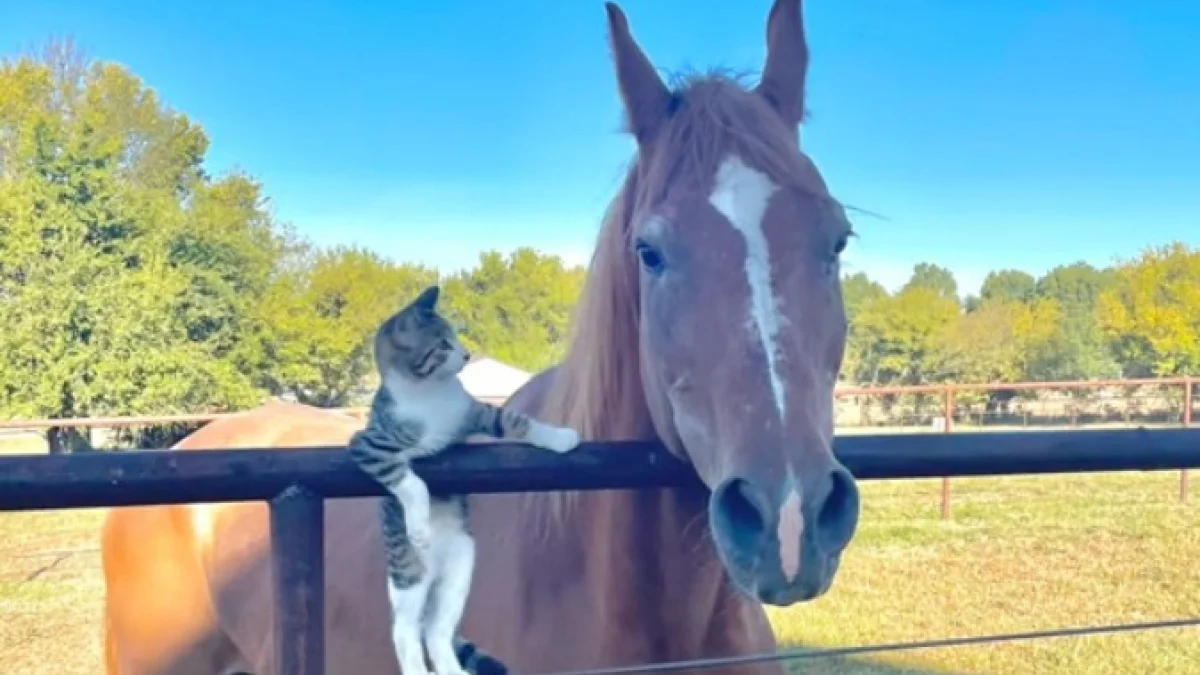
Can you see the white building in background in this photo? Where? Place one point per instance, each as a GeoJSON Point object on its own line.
{"type": "Point", "coordinates": [490, 380]}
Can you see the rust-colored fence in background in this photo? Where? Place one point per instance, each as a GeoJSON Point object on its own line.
{"type": "Point", "coordinates": [967, 408]}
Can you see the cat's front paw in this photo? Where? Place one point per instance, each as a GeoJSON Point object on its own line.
{"type": "Point", "coordinates": [559, 439]}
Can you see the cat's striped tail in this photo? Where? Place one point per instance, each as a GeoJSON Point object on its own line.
{"type": "Point", "coordinates": [476, 661]}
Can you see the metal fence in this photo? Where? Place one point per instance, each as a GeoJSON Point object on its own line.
{"type": "Point", "coordinates": [933, 408]}
{"type": "Point", "coordinates": [950, 408]}
{"type": "Point", "coordinates": [296, 481]}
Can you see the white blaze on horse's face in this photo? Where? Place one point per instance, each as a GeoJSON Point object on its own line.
{"type": "Point", "coordinates": [741, 195]}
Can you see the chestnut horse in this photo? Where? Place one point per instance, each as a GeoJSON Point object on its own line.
{"type": "Point", "coordinates": [711, 320]}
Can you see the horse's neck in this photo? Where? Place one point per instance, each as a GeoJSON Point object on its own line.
{"type": "Point", "coordinates": [642, 561]}
{"type": "Point", "coordinates": [657, 578]}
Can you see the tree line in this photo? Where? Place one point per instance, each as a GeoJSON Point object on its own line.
{"type": "Point", "coordinates": [133, 281]}
{"type": "Point", "coordinates": [1138, 318]}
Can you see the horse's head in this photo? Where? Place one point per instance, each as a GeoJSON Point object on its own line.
{"type": "Point", "coordinates": [741, 327]}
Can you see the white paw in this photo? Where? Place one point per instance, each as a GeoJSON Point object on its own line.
{"type": "Point", "coordinates": [560, 439]}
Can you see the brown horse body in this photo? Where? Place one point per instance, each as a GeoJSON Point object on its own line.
{"type": "Point", "coordinates": [711, 320]}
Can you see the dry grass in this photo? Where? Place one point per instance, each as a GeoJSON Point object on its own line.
{"type": "Point", "coordinates": [50, 593]}
{"type": "Point", "coordinates": [22, 443]}
{"type": "Point", "coordinates": [1019, 554]}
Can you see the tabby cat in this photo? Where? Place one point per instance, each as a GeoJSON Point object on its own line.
{"type": "Point", "coordinates": [421, 408]}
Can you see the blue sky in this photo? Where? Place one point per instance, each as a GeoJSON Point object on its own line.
{"type": "Point", "coordinates": [986, 134]}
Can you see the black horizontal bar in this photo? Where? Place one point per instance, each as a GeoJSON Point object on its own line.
{"type": "Point", "coordinates": [136, 477]}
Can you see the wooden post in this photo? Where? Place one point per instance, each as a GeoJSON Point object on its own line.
{"type": "Point", "coordinates": [1188, 404]}
{"type": "Point", "coordinates": [948, 427]}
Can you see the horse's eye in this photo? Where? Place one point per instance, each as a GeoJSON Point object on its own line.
{"type": "Point", "coordinates": [840, 246]}
{"type": "Point", "coordinates": [649, 256]}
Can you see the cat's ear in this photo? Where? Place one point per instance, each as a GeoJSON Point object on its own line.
{"type": "Point", "coordinates": [428, 299]}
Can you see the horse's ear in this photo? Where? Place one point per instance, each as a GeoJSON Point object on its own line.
{"type": "Point", "coordinates": [787, 61]}
{"type": "Point", "coordinates": [646, 98]}
{"type": "Point", "coordinates": [428, 298]}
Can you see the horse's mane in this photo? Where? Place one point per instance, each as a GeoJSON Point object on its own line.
{"type": "Point", "coordinates": [597, 389]}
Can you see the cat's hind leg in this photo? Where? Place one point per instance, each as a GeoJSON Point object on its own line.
{"type": "Point", "coordinates": [409, 579]}
{"type": "Point", "coordinates": [407, 605]}
{"type": "Point", "coordinates": [448, 598]}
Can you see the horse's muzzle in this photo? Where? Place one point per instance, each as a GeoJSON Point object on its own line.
{"type": "Point", "coordinates": [784, 550]}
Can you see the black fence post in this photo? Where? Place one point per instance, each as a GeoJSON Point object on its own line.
{"type": "Point", "coordinates": [298, 566]}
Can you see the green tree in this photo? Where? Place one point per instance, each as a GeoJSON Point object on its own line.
{"type": "Point", "coordinates": [1076, 287]}
{"type": "Point", "coordinates": [858, 292]}
{"type": "Point", "coordinates": [900, 336]}
{"type": "Point", "coordinates": [939, 279]}
{"type": "Point", "coordinates": [126, 271]}
{"type": "Point", "coordinates": [1152, 312]}
{"type": "Point", "coordinates": [1002, 341]}
{"type": "Point", "coordinates": [320, 316]}
{"type": "Point", "coordinates": [516, 308]}
{"type": "Point", "coordinates": [1008, 285]}
{"type": "Point", "coordinates": [1081, 351]}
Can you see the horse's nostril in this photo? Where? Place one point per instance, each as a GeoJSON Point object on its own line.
{"type": "Point", "coordinates": [738, 514]}
{"type": "Point", "coordinates": [837, 517]}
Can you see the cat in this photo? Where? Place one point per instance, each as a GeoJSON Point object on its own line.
{"type": "Point", "coordinates": [418, 410]}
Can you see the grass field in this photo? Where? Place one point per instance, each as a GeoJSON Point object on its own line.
{"type": "Point", "coordinates": [21, 443]}
{"type": "Point", "coordinates": [50, 593]}
{"type": "Point", "coordinates": [1020, 554]}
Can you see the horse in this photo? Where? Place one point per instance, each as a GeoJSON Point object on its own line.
{"type": "Point", "coordinates": [711, 321]}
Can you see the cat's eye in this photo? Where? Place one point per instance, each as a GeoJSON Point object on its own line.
{"type": "Point", "coordinates": [650, 258]}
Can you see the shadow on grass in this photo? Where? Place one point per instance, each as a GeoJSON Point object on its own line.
{"type": "Point", "coordinates": [848, 665]}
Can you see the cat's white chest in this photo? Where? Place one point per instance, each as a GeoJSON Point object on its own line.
{"type": "Point", "coordinates": [439, 408]}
